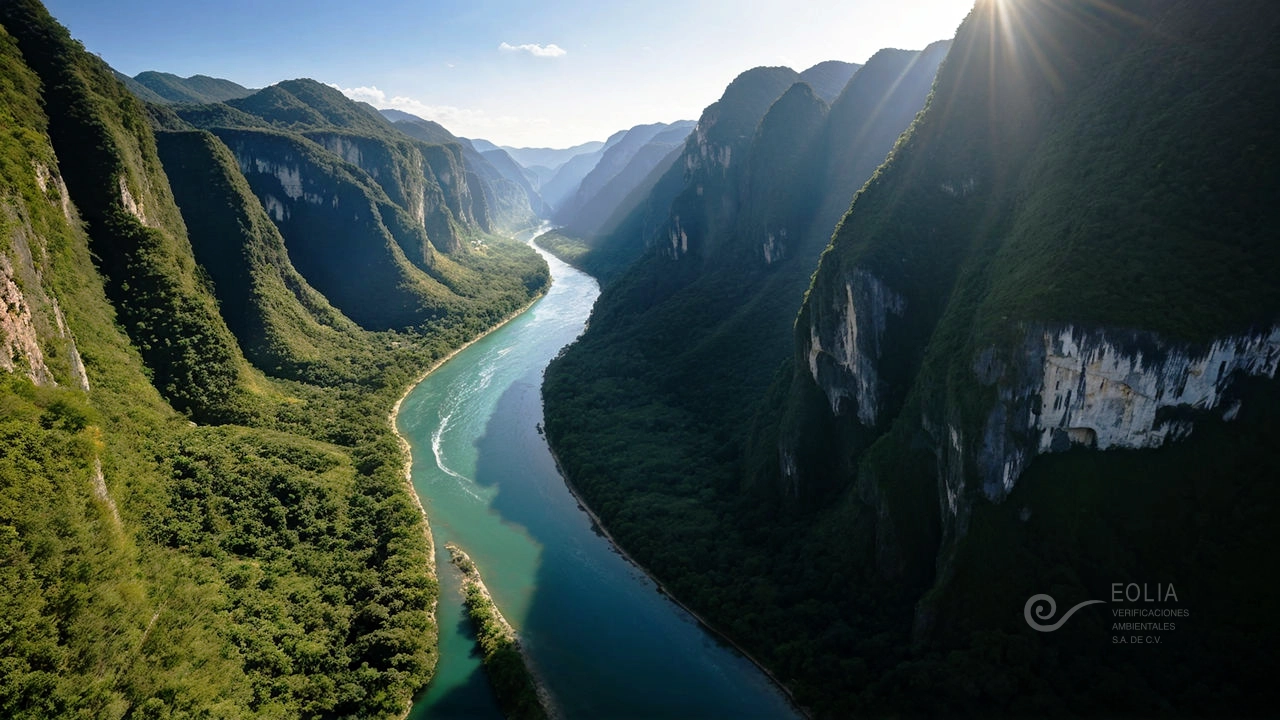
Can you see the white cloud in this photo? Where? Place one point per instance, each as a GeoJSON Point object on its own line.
{"type": "Point", "coordinates": [536, 50]}
{"type": "Point", "coordinates": [464, 122]}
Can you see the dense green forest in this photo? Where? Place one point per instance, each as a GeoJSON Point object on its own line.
{"type": "Point", "coordinates": [710, 306]}
{"type": "Point", "coordinates": [203, 508]}
{"type": "Point", "coordinates": [1035, 353]}
{"type": "Point", "coordinates": [825, 494]}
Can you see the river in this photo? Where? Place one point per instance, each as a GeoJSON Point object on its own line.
{"type": "Point", "coordinates": [606, 643]}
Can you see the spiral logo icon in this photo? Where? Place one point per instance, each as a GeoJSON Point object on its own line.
{"type": "Point", "coordinates": [1043, 607]}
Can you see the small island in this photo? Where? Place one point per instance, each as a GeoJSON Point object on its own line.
{"type": "Point", "coordinates": [519, 693]}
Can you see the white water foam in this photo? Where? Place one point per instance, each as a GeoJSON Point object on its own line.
{"type": "Point", "coordinates": [485, 377]}
{"type": "Point", "coordinates": [464, 482]}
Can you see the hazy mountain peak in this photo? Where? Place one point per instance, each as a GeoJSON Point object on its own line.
{"type": "Point", "coordinates": [397, 115]}
{"type": "Point", "coordinates": [551, 158]}
{"type": "Point", "coordinates": [828, 78]}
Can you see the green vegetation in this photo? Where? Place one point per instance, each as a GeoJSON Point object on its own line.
{"type": "Point", "coordinates": [1120, 177]}
{"type": "Point", "coordinates": [198, 89]}
{"type": "Point", "coordinates": [568, 249]}
{"type": "Point", "coordinates": [504, 661]}
{"type": "Point", "coordinates": [663, 464]}
{"type": "Point", "coordinates": [282, 323]}
{"type": "Point", "coordinates": [108, 160]}
{"type": "Point", "coordinates": [268, 562]}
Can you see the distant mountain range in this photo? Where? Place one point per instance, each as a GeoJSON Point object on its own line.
{"type": "Point", "coordinates": [617, 168]}
{"type": "Point", "coordinates": [550, 158]}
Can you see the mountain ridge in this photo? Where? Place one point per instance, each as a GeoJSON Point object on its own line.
{"type": "Point", "coordinates": [731, 233]}
{"type": "Point", "coordinates": [1038, 349]}
{"type": "Point", "coordinates": [198, 89]}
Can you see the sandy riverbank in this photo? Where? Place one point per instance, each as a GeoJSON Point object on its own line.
{"type": "Point", "coordinates": [407, 451]}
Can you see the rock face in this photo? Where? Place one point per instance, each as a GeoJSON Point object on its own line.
{"type": "Point", "coordinates": [1104, 390]}
{"type": "Point", "coordinates": [344, 235]}
{"type": "Point", "coordinates": [424, 181]}
{"type": "Point", "coordinates": [491, 195]}
{"type": "Point", "coordinates": [1008, 287]}
{"type": "Point", "coordinates": [852, 328]}
{"type": "Point", "coordinates": [19, 344]}
{"type": "Point", "coordinates": [1121, 390]}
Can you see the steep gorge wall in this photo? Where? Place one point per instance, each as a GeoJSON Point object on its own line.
{"type": "Point", "coordinates": [355, 246]}
{"type": "Point", "coordinates": [426, 181]}
{"type": "Point", "coordinates": [109, 164]}
{"type": "Point", "coordinates": [1009, 285]}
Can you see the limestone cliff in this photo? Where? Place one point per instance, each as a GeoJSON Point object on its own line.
{"type": "Point", "coordinates": [1023, 285]}
{"type": "Point", "coordinates": [344, 234]}
{"type": "Point", "coordinates": [843, 344]}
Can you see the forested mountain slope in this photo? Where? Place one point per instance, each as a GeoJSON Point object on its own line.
{"type": "Point", "coordinates": [1065, 309]}
{"type": "Point", "coordinates": [650, 410]}
{"type": "Point", "coordinates": [828, 78]}
{"type": "Point", "coordinates": [202, 509]}
{"type": "Point", "coordinates": [195, 89]}
{"type": "Point", "coordinates": [415, 249]}
{"type": "Point", "coordinates": [1037, 358]}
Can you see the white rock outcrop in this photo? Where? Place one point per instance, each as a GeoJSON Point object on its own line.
{"type": "Point", "coordinates": [773, 247]}
{"type": "Point", "coordinates": [19, 342]}
{"type": "Point", "coordinates": [132, 206]}
{"type": "Point", "coordinates": [1111, 389]}
{"type": "Point", "coordinates": [289, 175]}
{"type": "Point", "coordinates": [45, 178]}
{"type": "Point", "coordinates": [846, 338]}
{"type": "Point", "coordinates": [1108, 396]}
{"type": "Point", "coordinates": [679, 239]}
{"type": "Point", "coordinates": [78, 373]}
{"type": "Point", "coordinates": [276, 209]}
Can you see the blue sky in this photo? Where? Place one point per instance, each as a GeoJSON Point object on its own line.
{"type": "Point", "coordinates": [555, 73]}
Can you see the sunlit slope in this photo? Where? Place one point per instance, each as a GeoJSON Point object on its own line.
{"type": "Point", "coordinates": [190, 530]}
{"type": "Point", "coordinates": [1035, 359]}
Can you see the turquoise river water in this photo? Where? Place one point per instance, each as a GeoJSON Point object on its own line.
{"type": "Point", "coordinates": [605, 642]}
